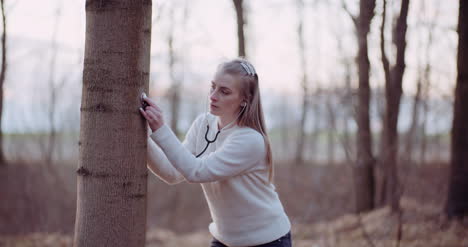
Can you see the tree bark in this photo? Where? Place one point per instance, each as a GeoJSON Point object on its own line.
{"type": "Point", "coordinates": [393, 91]}
{"type": "Point", "coordinates": [363, 169]}
{"type": "Point", "coordinates": [457, 203]}
{"type": "Point", "coordinates": [2, 80]}
{"type": "Point", "coordinates": [112, 173]}
{"type": "Point", "coordinates": [238, 4]}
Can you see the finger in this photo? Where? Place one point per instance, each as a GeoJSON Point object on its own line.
{"type": "Point", "coordinates": [143, 113]}
{"type": "Point", "coordinates": [150, 102]}
{"type": "Point", "coordinates": [152, 115]}
{"type": "Point", "coordinates": [154, 110]}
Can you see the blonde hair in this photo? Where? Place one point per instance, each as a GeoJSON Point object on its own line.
{"type": "Point", "coordinates": [252, 114]}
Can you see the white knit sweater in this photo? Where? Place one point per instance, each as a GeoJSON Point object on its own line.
{"type": "Point", "coordinates": [245, 208]}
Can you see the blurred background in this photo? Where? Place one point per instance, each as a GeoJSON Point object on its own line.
{"type": "Point", "coordinates": [312, 78]}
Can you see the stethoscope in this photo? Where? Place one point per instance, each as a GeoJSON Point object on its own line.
{"type": "Point", "coordinates": [208, 141]}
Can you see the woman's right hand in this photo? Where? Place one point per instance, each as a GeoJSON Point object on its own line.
{"type": "Point", "coordinates": [153, 114]}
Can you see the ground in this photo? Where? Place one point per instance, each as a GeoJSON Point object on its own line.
{"type": "Point", "coordinates": [422, 226]}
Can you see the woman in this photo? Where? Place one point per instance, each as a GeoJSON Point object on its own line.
{"type": "Point", "coordinates": [228, 152]}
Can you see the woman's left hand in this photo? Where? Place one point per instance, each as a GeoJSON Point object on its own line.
{"type": "Point", "coordinates": [153, 114]}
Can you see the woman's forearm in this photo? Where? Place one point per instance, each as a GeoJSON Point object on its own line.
{"type": "Point", "coordinates": [161, 166]}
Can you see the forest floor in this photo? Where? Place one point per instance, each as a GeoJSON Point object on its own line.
{"type": "Point", "coordinates": [421, 225]}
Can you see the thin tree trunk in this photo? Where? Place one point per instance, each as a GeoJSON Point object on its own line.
{"type": "Point", "coordinates": [347, 104]}
{"type": "Point", "coordinates": [457, 203]}
{"type": "Point", "coordinates": [314, 143]}
{"type": "Point", "coordinates": [2, 80]}
{"type": "Point", "coordinates": [50, 146]}
{"type": "Point", "coordinates": [238, 4]}
{"type": "Point", "coordinates": [426, 88]}
{"type": "Point", "coordinates": [176, 83]}
{"type": "Point", "coordinates": [331, 131]}
{"type": "Point", "coordinates": [411, 133]}
{"type": "Point", "coordinates": [112, 173]}
{"type": "Point", "coordinates": [285, 135]}
{"type": "Point", "coordinates": [363, 169]}
{"type": "Point", "coordinates": [381, 178]}
{"type": "Point", "coordinates": [422, 134]}
{"type": "Point", "coordinates": [304, 85]}
{"type": "Point", "coordinates": [393, 92]}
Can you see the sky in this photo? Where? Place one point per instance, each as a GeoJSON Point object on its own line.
{"type": "Point", "coordinates": [206, 37]}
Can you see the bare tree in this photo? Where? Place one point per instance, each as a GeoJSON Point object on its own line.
{"type": "Point", "coordinates": [304, 83]}
{"type": "Point", "coordinates": [54, 89]}
{"type": "Point", "coordinates": [316, 114]}
{"type": "Point", "coordinates": [174, 91]}
{"type": "Point", "coordinates": [346, 100]}
{"type": "Point", "coordinates": [2, 80]}
{"type": "Point", "coordinates": [112, 173]}
{"type": "Point", "coordinates": [421, 96]}
{"type": "Point", "coordinates": [240, 14]}
{"type": "Point", "coordinates": [389, 194]}
{"type": "Point", "coordinates": [457, 202]}
{"type": "Point", "coordinates": [364, 167]}
{"type": "Point", "coordinates": [331, 122]}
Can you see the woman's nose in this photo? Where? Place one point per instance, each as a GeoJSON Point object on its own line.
{"type": "Point", "coordinates": [213, 96]}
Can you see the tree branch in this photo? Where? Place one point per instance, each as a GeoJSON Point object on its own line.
{"type": "Point", "coordinates": [346, 9]}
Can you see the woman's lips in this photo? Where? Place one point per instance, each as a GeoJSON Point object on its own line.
{"type": "Point", "coordinates": [213, 106]}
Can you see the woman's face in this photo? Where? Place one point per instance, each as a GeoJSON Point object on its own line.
{"type": "Point", "coordinates": [225, 98]}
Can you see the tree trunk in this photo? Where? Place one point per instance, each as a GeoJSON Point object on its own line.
{"type": "Point", "coordinates": [457, 203]}
{"type": "Point", "coordinates": [426, 88]}
{"type": "Point", "coordinates": [363, 169]}
{"type": "Point", "coordinates": [332, 129]}
{"type": "Point", "coordinates": [422, 131]}
{"type": "Point", "coordinates": [2, 80]}
{"type": "Point", "coordinates": [315, 131]}
{"type": "Point", "coordinates": [112, 173]}
{"type": "Point", "coordinates": [238, 4]}
{"type": "Point", "coordinates": [50, 146]}
{"type": "Point", "coordinates": [411, 133]}
{"type": "Point", "coordinates": [304, 85]}
{"type": "Point", "coordinates": [176, 83]}
{"type": "Point", "coordinates": [393, 91]}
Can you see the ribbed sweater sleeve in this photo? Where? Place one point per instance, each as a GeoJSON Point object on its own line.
{"type": "Point", "coordinates": [161, 166]}
{"type": "Point", "coordinates": [242, 150]}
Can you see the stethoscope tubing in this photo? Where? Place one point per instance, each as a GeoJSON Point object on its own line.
{"type": "Point", "coordinates": [208, 141]}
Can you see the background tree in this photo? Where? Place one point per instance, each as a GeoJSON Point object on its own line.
{"type": "Point", "coordinates": [304, 83]}
{"type": "Point", "coordinates": [53, 88]}
{"type": "Point", "coordinates": [112, 173]}
{"type": "Point", "coordinates": [364, 167]}
{"type": "Point", "coordinates": [457, 203]}
{"type": "Point", "coordinates": [174, 90]}
{"type": "Point", "coordinates": [416, 130]}
{"type": "Point", "coordinates": [2, 80]}
{"type": "Point", "coordinates": [238, 5]}
{"type": "Point", "coordinates": [388, 181]}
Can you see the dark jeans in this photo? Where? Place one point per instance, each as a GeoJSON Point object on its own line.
{"type": "Point", "coordinates": [284, 241]}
